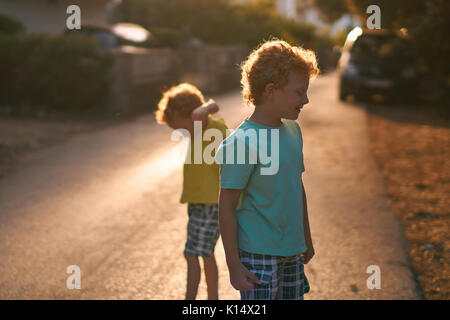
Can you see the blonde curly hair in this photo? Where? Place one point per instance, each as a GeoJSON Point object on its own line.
{"type": "Point", "coordinates": [272, 62]}
{"type": "Point", "coordinates": [181, 99]}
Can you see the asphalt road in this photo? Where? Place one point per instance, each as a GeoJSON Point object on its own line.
{"type": "Point", "coordinates": [108, 202]}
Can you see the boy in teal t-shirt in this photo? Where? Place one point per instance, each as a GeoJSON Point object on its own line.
{"type": "Point", "coordinates": [262, 204]}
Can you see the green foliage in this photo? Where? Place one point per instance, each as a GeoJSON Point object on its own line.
{"type": "Point", "coordinates": [394, 14]}
{"type": "Point", "coordinates": [64, 74]}
{"type": "Point", "coordinates": [10, 25]}
{"type": "Point", "coordinates": [154, 13]}
{"type": "Point", "coordinates": [218, 21]}
{"type": "Point", "coordinates": [331, 10]}
{"type": "Point", "coordinates": [167, 37]}
{"type": "Point", "coordinates": [429, 30]}
{"type": "Point", "coordinates": [14, 53]}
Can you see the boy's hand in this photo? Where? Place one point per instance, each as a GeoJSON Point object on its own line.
{"type": "Point", "coordinates": [240, 278]}
{"type": "Point", "coordinates": [308, 254]}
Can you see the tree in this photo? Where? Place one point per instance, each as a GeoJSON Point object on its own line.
{"type": "Point", "coordinates": [427, 22]}
{"type": "Point", "coordinates": [218, 21]}
{"type": "Point", "coordinates": [331, 10]}
{"type": "Point", "coordinates": [394, 14]}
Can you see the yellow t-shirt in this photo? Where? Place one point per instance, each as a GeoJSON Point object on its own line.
{"type": "Point", "coordinates": [201, 181]}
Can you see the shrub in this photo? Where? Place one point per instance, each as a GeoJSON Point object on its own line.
{"type": "Point", "coordinates": [15, 51]}
{"type": "Point", "coordinates": [63, 74]}
{"type": "Point", "coordinates": [10, 25]}
{"type": "Point", "coordinates": [167, 37]}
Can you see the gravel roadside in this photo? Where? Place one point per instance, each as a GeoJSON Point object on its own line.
{"type": "Point", "coordinates": [412, 147]}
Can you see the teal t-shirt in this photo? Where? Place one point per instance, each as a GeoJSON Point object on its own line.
{"type": "Point", "coordinates": [266, 163]}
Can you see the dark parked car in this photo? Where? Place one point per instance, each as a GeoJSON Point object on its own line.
{"type": "Point", "coordinates": [377, 62]}
{"type": "Point", "coordinates": [121, 34]}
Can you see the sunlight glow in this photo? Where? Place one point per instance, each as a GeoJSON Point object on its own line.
{"type": "Point", "coordinates": [354, 34]}
{"type": "Point", "coordinates": [163, 165]}
{"type": "Point", "coordinates": [132, 32]}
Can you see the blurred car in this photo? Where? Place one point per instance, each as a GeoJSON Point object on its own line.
{"type": "Point", "coordinates": [377, 62]}
{"type": "Point", "coordinates": [120, 34]}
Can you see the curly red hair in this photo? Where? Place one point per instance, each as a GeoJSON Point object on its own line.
{"type": "Point", "coordinates": [181, 99]}
{"type": "Point", "coordinates": [272, 62]}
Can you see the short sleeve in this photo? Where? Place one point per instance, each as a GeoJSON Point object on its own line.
{"type": "Point", "coordinates": [234, 174]}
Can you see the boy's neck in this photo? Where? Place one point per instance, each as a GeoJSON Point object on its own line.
{"type": "Point", "coordinates": [263, 115]}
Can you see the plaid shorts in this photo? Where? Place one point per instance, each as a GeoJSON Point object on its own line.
{"type": "Point", "coordinates": [283, 278]}
{"type": "Point", "coordinates": [203, 230]}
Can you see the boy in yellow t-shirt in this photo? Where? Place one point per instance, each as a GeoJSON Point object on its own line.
{"type": "Point", "coordinates": [183, 107]}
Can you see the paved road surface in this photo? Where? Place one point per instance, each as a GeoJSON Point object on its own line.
{"type": "Point", "coordinates": [108, 202]}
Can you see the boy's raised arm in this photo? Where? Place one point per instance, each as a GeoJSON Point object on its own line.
{"type": "Point", "coordinates": [239, 275]}
{"type": "Point", "coordinates": [201, 113]}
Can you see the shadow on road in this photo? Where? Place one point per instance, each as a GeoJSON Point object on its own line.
{"type": "Point", "coordinates": [420, 113]}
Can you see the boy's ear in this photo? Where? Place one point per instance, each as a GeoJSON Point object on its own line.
{"type": "Point", "coordinates": [269, 88]}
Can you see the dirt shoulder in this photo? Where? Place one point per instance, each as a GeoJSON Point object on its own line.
{"type": "Point", "coordinates": [22, 136]}
{"type": "Point", "coordinates": [412, 148]}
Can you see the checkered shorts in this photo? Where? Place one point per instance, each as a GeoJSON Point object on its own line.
{"type": "Point", "coordinates": [283, 278]}
{"type": "Point", "coordinates": [203, 230]}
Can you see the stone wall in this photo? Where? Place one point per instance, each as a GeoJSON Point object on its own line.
{"type": "Point", "coordinates": [212, 68]}
{"type": "Point", "coordinates": [141, 75]}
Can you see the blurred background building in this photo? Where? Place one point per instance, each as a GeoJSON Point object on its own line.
{"type": "Point", "coordinates": [49, 16]}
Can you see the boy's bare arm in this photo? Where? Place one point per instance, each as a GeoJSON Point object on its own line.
{"type": "Point", "coordinates": [239, 275]}
{"type": "Point", "coordinates": [307, 231]}
{"type": "Point", "coordinates": [201, 113]}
